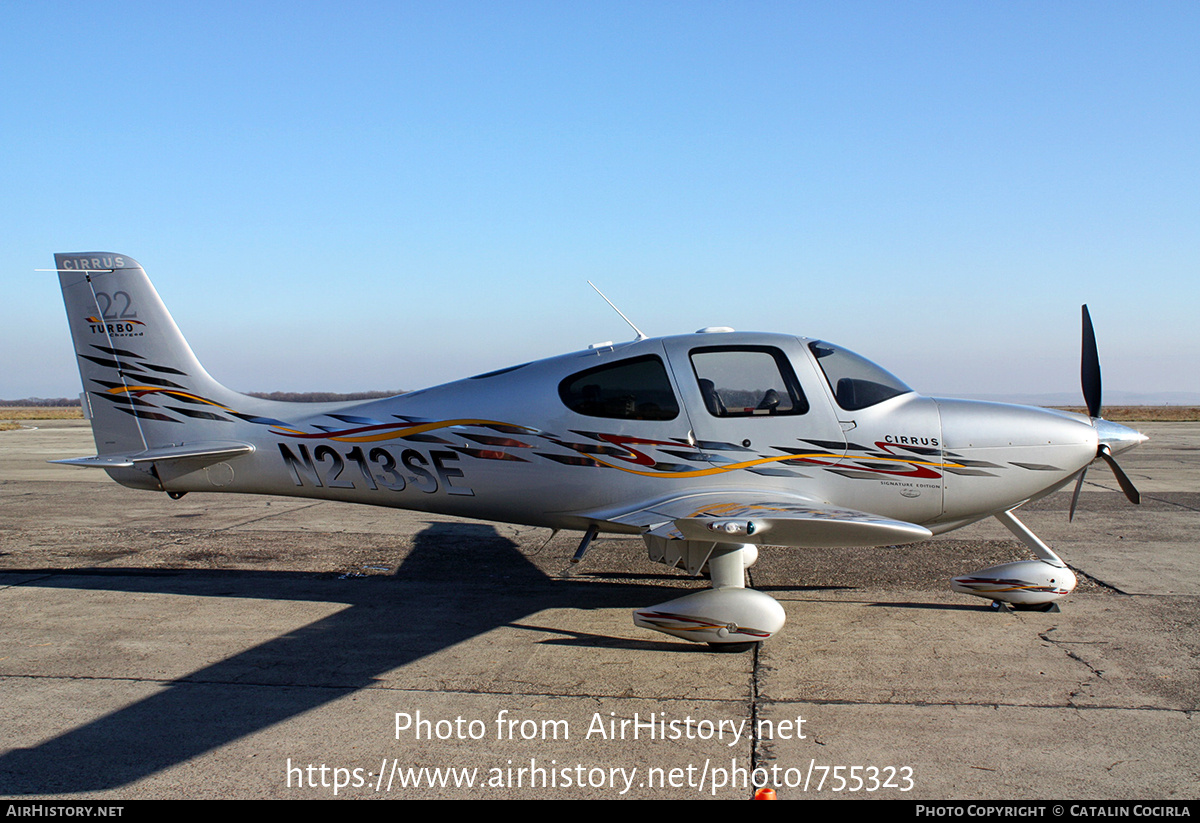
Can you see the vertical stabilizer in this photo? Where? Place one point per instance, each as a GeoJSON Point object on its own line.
{"type": "Point", "coordinates": [142, 381]}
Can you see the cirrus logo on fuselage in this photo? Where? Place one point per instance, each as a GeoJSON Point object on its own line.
{"type": "Point", "coordinates": [909, 440]}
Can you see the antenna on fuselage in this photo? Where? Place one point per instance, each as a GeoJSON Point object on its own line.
{"type": "Point", "coordinates": [640, 336]}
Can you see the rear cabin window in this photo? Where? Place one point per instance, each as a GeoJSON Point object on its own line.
{"type": "Point", "coordinates": [636, 389]}
{"type": "Point", "coordinates": [747, 382]}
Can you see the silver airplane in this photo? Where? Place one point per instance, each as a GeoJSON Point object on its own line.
{"type": "Point", "coordinates": [707, 445]}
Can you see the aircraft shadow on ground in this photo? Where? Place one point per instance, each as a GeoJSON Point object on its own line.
{"type": "Point", "coordinates": [432, 602]}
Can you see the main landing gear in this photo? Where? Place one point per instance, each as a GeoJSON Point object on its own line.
{"type": "Point", "coordinates": [728, 617]}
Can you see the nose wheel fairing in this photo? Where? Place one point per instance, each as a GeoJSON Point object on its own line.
{"type": "Point", "coordinates": [1024, 584]}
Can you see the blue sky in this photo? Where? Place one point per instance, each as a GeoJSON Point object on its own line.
{"type": "Point", "coordinates": [387, 195]}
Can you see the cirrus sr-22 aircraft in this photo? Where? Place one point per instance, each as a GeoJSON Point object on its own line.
{"type": "Point", "coordinates": [707, 445]}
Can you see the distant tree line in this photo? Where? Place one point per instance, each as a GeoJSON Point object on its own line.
{"type": "Point", "coordinates": [42, 401]}
{"type": "Point", "coordinates": [287, 396]}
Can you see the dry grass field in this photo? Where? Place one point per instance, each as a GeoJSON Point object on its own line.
{"type": "Point", "coordinates": [14, 417]}
{"type": "Point", "coordinates": [40, 413]}
{"type": "Point", "coordinates": [1146, 414]}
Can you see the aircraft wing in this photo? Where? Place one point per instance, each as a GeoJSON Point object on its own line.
{"type": "Point", "coordinates": [766, 519]}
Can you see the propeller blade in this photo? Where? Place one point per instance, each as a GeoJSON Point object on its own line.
{"type": "Point", "coordinates": [1089, 378]}
{"type": "Point", "coordinates": [1075, 495]}
{"type": "Point", "coordinates": [1089, 368]}
{"type": "Point", "coordinates": [1122, 479]}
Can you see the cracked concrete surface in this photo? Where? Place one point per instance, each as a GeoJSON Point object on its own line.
{"type": "Point", "coordinates": [191, 648]}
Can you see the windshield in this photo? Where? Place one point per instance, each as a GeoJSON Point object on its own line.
{"type": "Point", "coordinates": [856, 382]}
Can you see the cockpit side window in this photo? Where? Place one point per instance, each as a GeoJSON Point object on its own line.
{"type": "Point", "coordinates": [634, 389]}
{"type": "Point", "coordinates": [747, 381]}
{"type": "Point", "coordinates": [857, 383]}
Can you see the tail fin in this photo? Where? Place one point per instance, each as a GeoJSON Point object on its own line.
{"type": "Point", "coordinates": [140, 377]}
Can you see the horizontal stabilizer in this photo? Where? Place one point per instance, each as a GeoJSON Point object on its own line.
{"type": "Point", "coordinates": [201, 453]}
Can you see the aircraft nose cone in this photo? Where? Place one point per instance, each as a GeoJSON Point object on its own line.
{"type": "Point", "coordinates": [1118, 438]}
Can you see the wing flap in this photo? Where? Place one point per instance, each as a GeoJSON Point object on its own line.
{"type": "Point", "coordinates": [768, 519]}
{"type": "Point", "coordinates": [802, 526]}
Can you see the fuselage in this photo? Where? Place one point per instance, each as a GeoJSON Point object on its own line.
{"type": "Point", "coordinates": [555, 441]}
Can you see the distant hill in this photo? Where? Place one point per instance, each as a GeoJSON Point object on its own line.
{"type": "Point", "coordinates": [1113, 398]}
{"type": "Point", "coordinates": [321, 396]}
